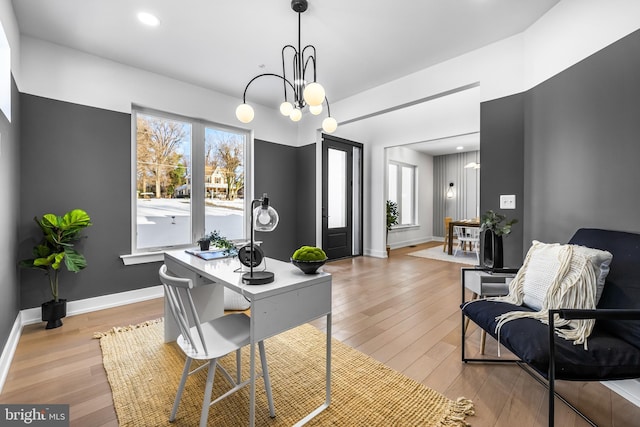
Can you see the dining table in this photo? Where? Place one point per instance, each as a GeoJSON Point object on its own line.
{"type": "Point", "coordinates": [461, 222]}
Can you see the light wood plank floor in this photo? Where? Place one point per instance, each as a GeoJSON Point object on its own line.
{"type": "Point", "coordinates": [403, 311]}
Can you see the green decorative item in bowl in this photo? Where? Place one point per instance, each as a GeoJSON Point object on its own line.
{"type": "Point", "coordinates": [309, 259]}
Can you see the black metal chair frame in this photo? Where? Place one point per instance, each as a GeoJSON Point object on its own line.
{"type": "Point", "coordinates": [569, 314]}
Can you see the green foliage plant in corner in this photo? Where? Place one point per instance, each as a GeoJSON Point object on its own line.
{"type": "Point", "coordinates": [60, 233]}
{"type": "Point", "coordinates": [392, 214]}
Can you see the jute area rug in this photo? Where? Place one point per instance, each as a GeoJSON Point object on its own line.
{"type": "Point", "coordinates": [437, 253]}
{"type": "Point", "coordinates": [144, 373]}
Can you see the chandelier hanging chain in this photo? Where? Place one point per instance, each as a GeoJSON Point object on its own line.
{"type": "Point", "coordinates": [305, 92]}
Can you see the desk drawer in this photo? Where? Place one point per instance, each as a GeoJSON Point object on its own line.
{"type": "Point", "coordinates": [284, 311]}
{"type": "Point", "coordinates": [179, 270]}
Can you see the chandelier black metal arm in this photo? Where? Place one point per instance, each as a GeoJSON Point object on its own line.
{"type": "Point", "coordinates": [285, 82]}
{"type": "Point", "coordinates": [305, 92]}
{"type": "Point", "coordinates": [244, 95]}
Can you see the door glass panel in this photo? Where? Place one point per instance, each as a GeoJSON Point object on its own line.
{"type": "Point", "coordinates": [224, 182]}
{"type": "Point", "coordinates": [337, 175]}
{"type": "Point", "coordinates": [163, 171]}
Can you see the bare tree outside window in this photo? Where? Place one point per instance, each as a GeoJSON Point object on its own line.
{"type": "Point", "coordinates": [224, 154]}
{"type": "Point", "coordinates": [162, 164]}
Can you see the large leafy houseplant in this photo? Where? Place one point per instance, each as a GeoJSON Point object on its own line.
{"type": "Point", "coordinates": [59, 234]}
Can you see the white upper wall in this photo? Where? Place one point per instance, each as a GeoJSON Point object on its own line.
{"type": "Point", "coordinates": [572, 31]}
{"type": "Point", "coordinates": [57, 72]}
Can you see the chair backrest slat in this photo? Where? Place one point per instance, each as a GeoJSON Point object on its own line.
{"type": "Point", "coordinates": [184, 315]}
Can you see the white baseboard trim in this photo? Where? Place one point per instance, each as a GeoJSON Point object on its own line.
{"type": "Point", "coordinates": [629, 389]}
{"type": "Point", "coordinates": [9, 350]}
{"type": "Point", "coordinates": [375, 254]}
{"type": "Point", "coordinates": [33, 315]}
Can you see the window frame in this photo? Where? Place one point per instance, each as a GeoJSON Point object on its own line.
{"type": "Point", "coordinates": [142, 255]}
{"type": "Point", "coordinates": [414, 194]}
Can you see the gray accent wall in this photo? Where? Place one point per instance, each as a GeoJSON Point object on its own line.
{"type": "Point", "coordinates": [276, 174]}
{"type": "Point", "coordinates": [74, 156]}
{"type": "Point", "coordinates": [501, 170]}
{"type": "Point", "coordinates": [306, 195]}
{"type": "Point", "coordinates": [568, 149]}
{"type": "Point", "coordinates": [9, 215]}
{"type": "Point", "coordinates": [582, 146]}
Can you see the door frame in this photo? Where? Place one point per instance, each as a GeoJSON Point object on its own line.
{"type": "Point", "coordinates": [357, 226]}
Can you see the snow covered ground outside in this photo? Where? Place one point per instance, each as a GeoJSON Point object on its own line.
{"type": "Point", "coordinates": [164, 222]}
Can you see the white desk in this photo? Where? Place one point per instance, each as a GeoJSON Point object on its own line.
{"type": "Point", "coordinates": [291, 300]}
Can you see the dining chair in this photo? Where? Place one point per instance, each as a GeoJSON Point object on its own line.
{"type": "Point", "coordinates": [447, 220]}
{"type": "Point", "coordinates": [467, 236]}
{"type": "Point", "coordinates": [208, 342]}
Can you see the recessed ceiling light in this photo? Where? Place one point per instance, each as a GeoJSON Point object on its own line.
{"type": "Point", "coordinates": [459, 147]}
{"type": "Point", "coordinates": [148, 19]}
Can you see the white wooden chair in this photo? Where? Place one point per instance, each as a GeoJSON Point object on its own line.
{"type": "Point", "coordinates": [469, 236]}
{"type": "Point", "coordinates": [208, 342]}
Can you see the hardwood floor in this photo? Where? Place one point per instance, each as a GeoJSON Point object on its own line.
{"type": "Point", "coordinates": [403, 311]}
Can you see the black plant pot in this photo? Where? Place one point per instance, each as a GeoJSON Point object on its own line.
{"type": "Point", "coordinates": [204, 246]}
{"type": "Point", "coordinates": [491, 253]}
{"type": "Point", "coordinates": [53, 311]}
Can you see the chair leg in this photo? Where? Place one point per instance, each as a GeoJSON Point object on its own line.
{"type": "Point", "coordinates": [466, 322]}
{"type": "Point", "coordinates": [483, 340]}
{"type": "Point", "coordinates": [183, 380]}
{"type": "Point", "coordinates": [206, 401]}
{"type": "Point", "coordinates": [238, 366]}
{"type": "Point", "coordinates": [266, 378]}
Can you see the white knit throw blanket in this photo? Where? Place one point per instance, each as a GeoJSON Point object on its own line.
{"type": "Point", "coordinates": [574, 286]}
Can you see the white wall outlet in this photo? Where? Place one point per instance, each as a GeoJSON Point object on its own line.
{"type": "Point", "coordinates": [507, 201]}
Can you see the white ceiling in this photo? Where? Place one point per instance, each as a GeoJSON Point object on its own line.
{"type": "Point", "coordinates": [221, 44]}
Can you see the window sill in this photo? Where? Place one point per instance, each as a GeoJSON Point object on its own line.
{"type": "Point", "coordinates": [142, 258]}
{"type": "Point", "coordinates": [404, 227]}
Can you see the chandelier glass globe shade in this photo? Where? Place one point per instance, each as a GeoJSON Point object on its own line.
{"type": "Point", "coordinates": [286, 108]}
{"type": "Point", "coordinates": [313, 94]}
{"type": "Point", "coordinates": [295, 115]}
{"type": "Point", "coordinates": [315, 109]}
{"type": "Point", "coordinates": [329, 125]}
{"type": "Point", "coordinates": [245, 113]}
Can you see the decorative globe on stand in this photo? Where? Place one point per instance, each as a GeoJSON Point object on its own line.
{"type": "Point", "coordinates": [308, 259]}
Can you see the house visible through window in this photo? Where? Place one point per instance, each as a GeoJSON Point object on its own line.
{"type": "Point", "coordinates": [402, 190]}
{"type": "Point", "coordinates": [189, 180]}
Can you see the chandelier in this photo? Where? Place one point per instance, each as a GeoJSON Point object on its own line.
{"type": "Point", "coordinates": [298, 83]}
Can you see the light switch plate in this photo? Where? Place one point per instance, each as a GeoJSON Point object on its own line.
{"type": "Point", "coordinates": [507, 201]}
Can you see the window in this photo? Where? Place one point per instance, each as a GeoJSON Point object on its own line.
{"type": "Point", "coordinates": [189, 180]}
{"type": "Point", "coordinates": [402, 190]}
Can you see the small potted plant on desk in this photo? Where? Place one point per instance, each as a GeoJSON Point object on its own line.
{"type": "Point", "coordinates": [492, 227]}
{"type": "Point", "coordinates": [214, 239]}
{"type": "Point", "coordinates": [60, 233]}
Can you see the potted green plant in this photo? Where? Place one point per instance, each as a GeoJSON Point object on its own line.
{"type": "Point", "coordinates": [56, 249]}
{"type": "Point", "coordinates": [392, 219]}
{"type": "Point", "coordinates": [493, 226]}
{"type": "Point", "coordinates": [214, 239]}
{"type": "Point", "coordinates": [204, 242]}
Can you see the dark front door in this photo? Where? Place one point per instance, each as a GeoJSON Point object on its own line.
{"type": "Point", "coordinates": [341, 218]}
